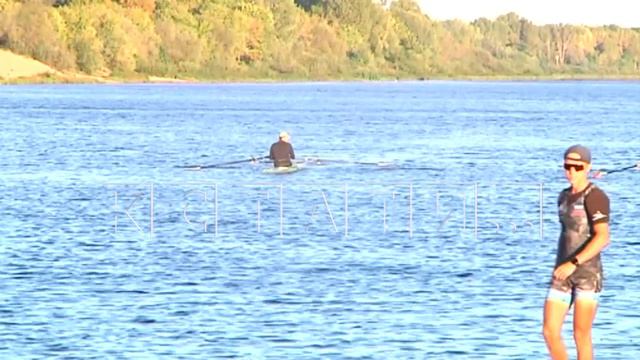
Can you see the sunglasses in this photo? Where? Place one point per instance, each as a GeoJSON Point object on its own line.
{"type": "Point", "coordinates": [576, 167]}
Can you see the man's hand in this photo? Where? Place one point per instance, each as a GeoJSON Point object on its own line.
{"type": "Point", "coordinates": [563, 271]}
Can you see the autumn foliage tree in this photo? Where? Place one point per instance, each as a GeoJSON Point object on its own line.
{"type": "Point", "coordinates": [307, 39]}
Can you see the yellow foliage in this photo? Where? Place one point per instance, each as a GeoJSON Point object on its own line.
{"type": "Point", "coordinates": [235, 38]}
{"type": "Point", "coordinates": [181, 44]}
{"type": "Point", "coordinates": [32, 29]}
{"type": "Point", "coordinates": [146, 5]}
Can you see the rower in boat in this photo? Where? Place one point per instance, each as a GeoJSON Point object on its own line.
{"type": "Point", "coordinates": [281, 152]}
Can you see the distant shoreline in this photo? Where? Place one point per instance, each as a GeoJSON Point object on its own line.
{"type": "Point", "coordinates": [18, 69]}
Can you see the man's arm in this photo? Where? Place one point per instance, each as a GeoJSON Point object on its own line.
{"type": "Point", "coordinates": [597, 206]}
{"type": "Point", "coordinates": [599, 241]}
{"type": "Point", "coordinates": [293, 156]}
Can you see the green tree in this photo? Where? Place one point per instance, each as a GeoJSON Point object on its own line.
{"type": "Point", "coordinates": [83, 37]}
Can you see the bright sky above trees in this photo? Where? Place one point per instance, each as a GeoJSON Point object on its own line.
{"type": "Point", "coordinates": [540, 12]}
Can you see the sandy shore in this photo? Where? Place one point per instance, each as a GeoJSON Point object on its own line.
{"type": "Point", "coordinates": [13, 66]}
{"type": "Point", "coordinates": [159, 79]}
{"type": "Point", "coordinates": [16, 68]}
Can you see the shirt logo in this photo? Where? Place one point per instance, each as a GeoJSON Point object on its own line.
{"type": "Point", "coordinates": [597, 216]}
{"type": "Point", "coordinates": [578, 212]}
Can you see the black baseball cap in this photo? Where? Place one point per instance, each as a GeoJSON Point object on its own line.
{"type": "Point", "coordinates": [579, 153]}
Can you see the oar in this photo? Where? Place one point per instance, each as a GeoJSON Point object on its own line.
{"type": "Point", "coordinates": [603, 172]}
{"type": "Point", "coordinates": [379, 163]}
{"type": "Point", "coordinates": [199, 167]}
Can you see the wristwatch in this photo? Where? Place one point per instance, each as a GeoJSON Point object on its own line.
{"type": "Point", "coordinates": [575, 261]}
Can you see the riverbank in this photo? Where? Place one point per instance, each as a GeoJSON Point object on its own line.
{"type": "Point", "coordinates": [18, 69]}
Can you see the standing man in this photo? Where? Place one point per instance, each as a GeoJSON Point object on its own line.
{"type": "Point", "coordinates": [282, 152]}
{"type": "Point", "coordinates": [577, 277]}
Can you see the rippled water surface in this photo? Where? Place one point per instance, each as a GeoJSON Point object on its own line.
{"type": "Point", "coordinates": [422, 226]}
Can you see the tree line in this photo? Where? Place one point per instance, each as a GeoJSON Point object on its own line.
{"type": "Point", "coordinates": [303, 39]}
